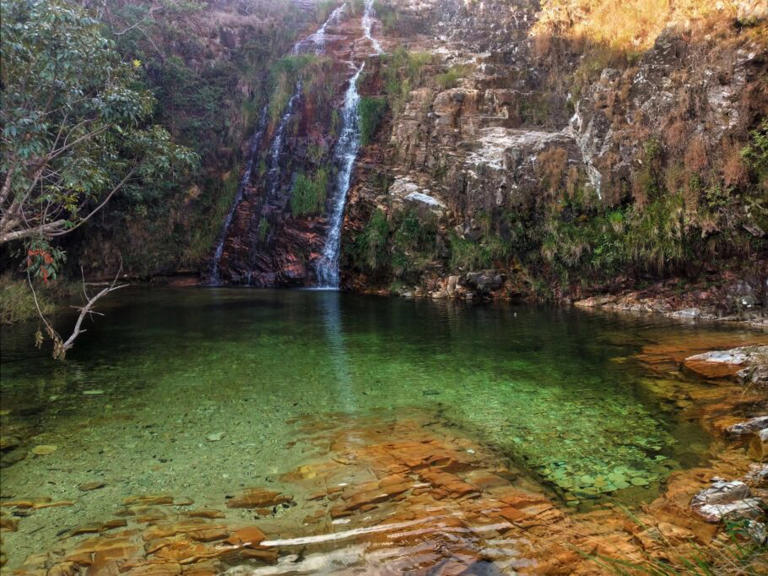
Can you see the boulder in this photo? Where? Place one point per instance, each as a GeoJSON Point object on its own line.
{"type": "Point", "coordinates": [726, 499]}
{"type": "Point", "coordinates": [749, 426]}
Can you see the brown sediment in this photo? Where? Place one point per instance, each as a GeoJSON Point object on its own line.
{"type": "Point", "coordinates": [403, 495]}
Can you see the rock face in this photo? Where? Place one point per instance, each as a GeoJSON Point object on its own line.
{"type": "Point", "coordinates": [520, 131]}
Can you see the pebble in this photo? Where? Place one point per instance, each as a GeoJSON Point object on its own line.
{"type": "Point", "coordinates": [215, 436]}
{"type": "Point", "coordinates": [44, 449]}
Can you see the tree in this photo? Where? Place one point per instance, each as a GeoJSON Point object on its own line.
{"type": "Point", "coordinates": [76, 131]}
{"type": "Point", "coordinates": [75, 122]}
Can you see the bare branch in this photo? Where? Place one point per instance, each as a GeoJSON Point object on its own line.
{"type": "Point", "coordinates": [61, 346]}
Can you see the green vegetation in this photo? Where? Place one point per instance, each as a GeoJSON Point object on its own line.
{"type": "Point", "coordinates": [402, 72]}
{"type": "Point", "coordinates": [450, 78]}
{"type": "Point", "coordinates": [76, 123]}
{"type": "Point", "coordinates": [308, 194]}
{"type": "Point", "coordinates": [371, 111]}
{"type": "Point", "coordinates": [371, 245]}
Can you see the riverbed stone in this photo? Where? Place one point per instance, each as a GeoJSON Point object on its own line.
{"type": "Point", "coordinates": [258, 498]}
{"type": "Point", "coordinates": [725, 499]}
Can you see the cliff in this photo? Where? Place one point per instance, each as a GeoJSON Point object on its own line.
{"type": "Point", "coordinates": [561, 148]}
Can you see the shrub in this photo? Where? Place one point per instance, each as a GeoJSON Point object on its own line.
{"type": "Point", "coordinates": [371, 245]}
{"type": "Point", "coordinates": [371, 111]}
{"type": "Point", "coordinates": [308, 195]}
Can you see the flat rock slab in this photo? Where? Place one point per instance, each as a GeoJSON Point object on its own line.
{"type": "Point", "coordinates": [258, 498]}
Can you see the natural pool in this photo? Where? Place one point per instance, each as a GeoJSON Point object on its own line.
{"type": "Point", "coordinates": [200, 392]}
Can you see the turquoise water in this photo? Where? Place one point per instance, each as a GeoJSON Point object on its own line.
{"type": "Point", "coordinates": [546, 388]}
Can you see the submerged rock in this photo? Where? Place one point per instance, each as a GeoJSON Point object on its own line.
{"type": "Point", "coordinates": [258, 498]}
{"type": "Point", "coordinates": [726, 499]}
{"type": "Point", "coordinates": [748, 364]}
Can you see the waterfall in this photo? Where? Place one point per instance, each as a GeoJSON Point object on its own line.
{"type": "Point", "coordinates": [253, 150]}
{"type": "Point", "coordinates": [318, 38]}
{"type": "Point", "coordinates": [367, 25]}
{"type": "Point", "coordinates": [276, 149]}
{"type": "Point", "coordinates": [344, 155]}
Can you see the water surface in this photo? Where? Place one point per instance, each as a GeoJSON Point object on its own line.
{"type": "Point", "coordinates": [199, 392]}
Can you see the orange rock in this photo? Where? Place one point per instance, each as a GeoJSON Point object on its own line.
{"type": "Point", "coordinates": [249, 536]}
{"type": "Point", "coordinates": [258, 498]}
{"type": "Point", "coordinates": [155, 569]}
{"type": "Point", "coordinates": [266, 555]}
{"type": "Point", "coordinates": [149, 500]}
{"type": "Point", "coordinates": [170, 529]}
{"type": "Point", "coordinates": [209, 534]}
{"type": "Point", "coordinates": [114, 523]}
{"type": "Point", "coordinates": [205, 513]}
{"type": "Point", "coordinates": [87, 529]}
{"type": "Point", "coordinates": [8, 523]}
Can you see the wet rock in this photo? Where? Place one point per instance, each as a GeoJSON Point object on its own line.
{"type": "Point", "coordinates": [44, 449]}
{"type": "Point", "coordinates": [8, 522]}
{"type": "Point", "coordinates": [758, 446]}
{"type": "Point", "coordinates": [249, 536]}
{"type": "Point", "coordinates": [748, 426]}
{"type": "Point", "coordinates": [89, 486]}
{"type": "Point", "coordinates": [258, 498]}
{"type": "Point", "coordinates": [745, 364]}
{"type": "Point", "coordinates": [12, 457]}
{"type": "Point", "coordinates": [149, 500]}
{"type": "Point", "coordinates": [725, 499]}
{"type": "Point", "coordinates": [484, 282]}
{"type": "Point", "coordinates": [8, 443]}
{"type": "Point", "coordinates": [205, 513]}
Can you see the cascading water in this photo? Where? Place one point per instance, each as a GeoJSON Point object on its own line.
{"type": "Point", "coordinates": [344, 156]}
{"type": "Point", "coordinates": [317, 40]}
{"type": "Point", "coordinates": [253, 150]}
{"type": "Point", "coordinates": [276, 149]}
{"type": "Point", "coordinates": [368, 24]}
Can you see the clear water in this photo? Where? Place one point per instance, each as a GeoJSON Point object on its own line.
{"type": "Point", "coordinates": [552, 391]}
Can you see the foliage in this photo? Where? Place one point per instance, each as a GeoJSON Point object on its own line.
{"type": "Point", "coordinates": [75, 122]}
{"type": "Point", "coordinates": [450, 78]}
{"type": "Point", "coordinates": [468, 254]}
{"type": "Point", "coordinates": [16, 302]}
{"type": "Point", "coordinates": [755, 154]}
{"type": "Point", "coordinates": [371, 111]}
{"type": "Point", "coordinates": [371, 245]}
{"type": "Point", "coordinates": [403, 71]}
{"type": "Point", "coordinates": [308, 194]}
